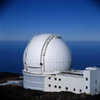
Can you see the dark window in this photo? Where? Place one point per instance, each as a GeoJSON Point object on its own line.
{"type": "Point", "coordinates": [59, 87]}
{"type": "Point", "coordinates": [86, 79]}
{"type": "Point", "coordinates": [49, 77]}
{"type": "Point", "coordinates": [57, 37]}
{"type": "Point", "coordinates": [96, 81]}
{"type": "Point", "coordinates": [55, 78]}
{"type": "Point", "coordinates": [80, 90]}
{"type": "Point", "coordinates": [66, 88]}
{"type": "Point", "coordinates": [74, 89]}
{"type": "Point", "coordinates": [59, 79]}
{"type": "Point", "coordinates": [41, 64]}
{"type": "Point", "coordinates": [96, 90]}
{"type": "Point", "coordinates": [55, 86]}
{"type": "Point", "coordinates": [49, 85]}
{"type": "Point", "coordinates": [86, 87]}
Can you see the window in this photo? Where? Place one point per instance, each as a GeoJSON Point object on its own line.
{"type": "Point", "coordinates": [86, 79]}
{"type": "Point", "coordinates": [59, 87]}
{"type": "Point", "coordinates": [80, 90]}
{"type": "Point", "coordinates": [49, 85]}
{"type": "Point", "coordinates": [59, 79]}
{"type": "Point", "coordinates": [49, 77]}
{"type": "Point", "coordinates": [96, 82]}
{"type": "Point", "coordinates": [74, 89]}
{"type": "Point", "coordinates": [66, 88]}
{"type": "Point", "coordinates": [86, 87]}
{"type": "Point", "coordinates": [55, 86]}
{"type": "Point", "coordinates": [96, 90]}
{"type": "Point", "coordinates": [57, 37]}
{"type": "Point", "coordinates": [41, 64]}
{"type": "Point", "coordinates": [55, 78]}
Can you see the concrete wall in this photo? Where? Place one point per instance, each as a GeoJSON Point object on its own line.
{"type": "Point", "coordinates": [95, 81]}
{"type": "Point", "coordinates": [88, 83]}
{"type": "Point", "coordinates": [92, 81]}
{"type": "Point", "coordinates": [64, 83]}
{"type": "Point", "coordinates": [35, 82]}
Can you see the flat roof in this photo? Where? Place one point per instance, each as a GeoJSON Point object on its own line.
{"type": "Point", "coordinates": [72, 73]}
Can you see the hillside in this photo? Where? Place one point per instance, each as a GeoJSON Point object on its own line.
{"type": "Point", "coordinates": [19, 93]}
{"type": "Point", "coordinates": [4, 76]}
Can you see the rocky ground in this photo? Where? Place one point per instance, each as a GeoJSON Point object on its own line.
{"type": "Point", "coordinates": [4, 76]}
{"type": "Point", "coordinates": [19, 93]}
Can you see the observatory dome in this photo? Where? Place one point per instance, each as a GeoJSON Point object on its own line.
{"type": "Point", "coordinates": [47, 53]}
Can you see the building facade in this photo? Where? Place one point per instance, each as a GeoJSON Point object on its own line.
{"type": "Point", "coordinates": [48, 67]}
{"type": "Point", "coordinates": [76, 81]}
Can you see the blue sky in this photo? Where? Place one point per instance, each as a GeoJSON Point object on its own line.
{"type": "Point", "coordinates": [72, 19]}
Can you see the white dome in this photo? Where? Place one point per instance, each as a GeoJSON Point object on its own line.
{"type": "Point", "coordinates": [47, 53]}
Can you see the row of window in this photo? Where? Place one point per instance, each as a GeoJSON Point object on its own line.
{"type": "Point", "coordinates": [80, 90]}
{"type": "Point", "coordinates": [60, 79]}
{"type": "Point", "coordinates": [54, 78]}
{"type": "Point", "coordinates": [55, 86]}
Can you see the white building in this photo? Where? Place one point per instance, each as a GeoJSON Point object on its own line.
{"type": "Point", "coordinates": [47, 67]}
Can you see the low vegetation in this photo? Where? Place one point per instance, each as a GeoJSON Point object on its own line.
{"type": "Point", "coordinates": [19, 93]}
{"type": "Point", "coordinates": [5, 76]}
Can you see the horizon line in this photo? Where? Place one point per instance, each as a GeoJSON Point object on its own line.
{"type": "Point", "coordinates": [64, 40]}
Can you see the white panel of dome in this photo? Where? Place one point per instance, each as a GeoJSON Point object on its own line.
{"type": "Point", "coordinates": [57, 57]}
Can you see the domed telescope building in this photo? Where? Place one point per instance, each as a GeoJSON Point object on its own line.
{"type": "Point", "coordinates": [47, 67]}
